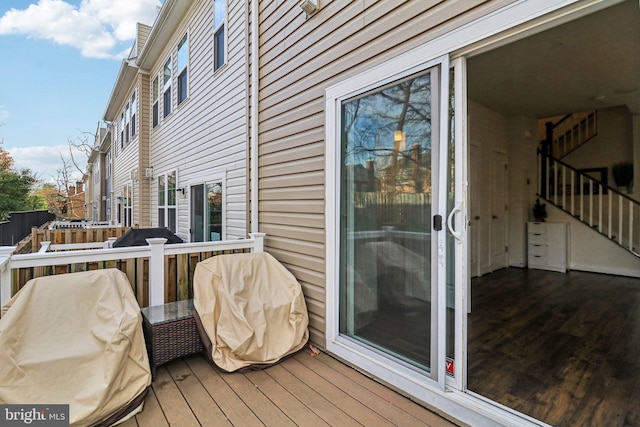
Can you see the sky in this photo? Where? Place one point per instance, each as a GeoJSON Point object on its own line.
{"type": "Point", "coordinates": [59, 60]}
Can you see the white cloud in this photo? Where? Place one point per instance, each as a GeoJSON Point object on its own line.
{"type": "Point", "coordinates": [45, 160]}
{"type": "Point", "coordinates": [96, 27]}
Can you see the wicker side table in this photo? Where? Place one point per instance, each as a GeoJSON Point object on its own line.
{"type": "Point", "coordinates": [170, 332]}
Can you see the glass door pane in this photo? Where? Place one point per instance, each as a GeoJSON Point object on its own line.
{"type": "Point", "coordinates": [387, 170]}
{"type": "Point", "coordinates": [197, 213]}
{"type": "Point", "coordinates": [214, 209]}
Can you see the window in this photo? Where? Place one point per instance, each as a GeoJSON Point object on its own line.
{"type": "Point", "coordinates": [219, 14]}
{"type": "Point", "coordinates": [154, 97]}
{"type": "Point", "coordinates": [167, 201]}
{"type": "Point", "coordinates": [126, 122]}
{"type": "Point", "coordinates": [107, 185]}
{"type": "Point", "coordinates": [134, 109]}
{"type": "Point", "coordinates": [122, 130]}
{"type": "Point", "coordinates": [127, 204]}
{"type": "Point", "coordinates": [207, 218]}
{"type": "Point", "coordinates": [167, 88]}
{"type": "Point", "coordinates": [183, 59]}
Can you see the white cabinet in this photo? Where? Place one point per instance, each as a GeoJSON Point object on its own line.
{"type": "Point", "coordinates": [547, 246]}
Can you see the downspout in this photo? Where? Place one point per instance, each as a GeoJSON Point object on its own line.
{"type": "Point", "coordinates": [255, 81]}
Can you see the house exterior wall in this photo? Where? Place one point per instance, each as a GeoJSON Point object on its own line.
{"type": "Point", "coordinates": [204, 136]}
{"type": "Point", "coordinates": [299, 59]}
{"type": "Point", "coordinates": [126, 160]}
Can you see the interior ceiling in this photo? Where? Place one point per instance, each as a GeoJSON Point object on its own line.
{"type": "Point", "coordinates": [586, 64]}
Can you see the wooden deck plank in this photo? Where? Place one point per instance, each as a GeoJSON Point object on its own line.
{"type": "Point", "coordinates": [152, 414]}
{"type": "Point", "coordinates": [175, 407]}
{"type": "Point", "coordinates": [264, 409]}
{"type": "Point", "coordinates": [202, 404]}
{"type": "Point", "coordinates": [359, 390]}
{"type": "Point", "coordinates": [394, 398]}
{"type": "Point", "coordinates": [300, 414]}
{"type": "Point", "coordinates": [311, 398]}
{"type": "Point", "coordinates": [226, 398]}
{"type": "Point", "coordinates": [338, 397]}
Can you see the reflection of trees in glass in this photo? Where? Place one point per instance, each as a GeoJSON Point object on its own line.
{"type": "Point", "coordinates": [214, 197]}
{"type": "Point", "coordinates": [387, 137]}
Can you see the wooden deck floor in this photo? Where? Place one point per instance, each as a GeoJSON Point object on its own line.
{"type": "Point", "coordinates": [300, 391]}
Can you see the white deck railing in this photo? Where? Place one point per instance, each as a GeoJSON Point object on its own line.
{"type": "Point", "coordinates": [86, 253]}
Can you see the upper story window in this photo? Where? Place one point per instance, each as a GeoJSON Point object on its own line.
{"type": "Point", "coordinates": [127, 123]}
{"type": "Point", "coordinates": [219, 18]}
{"type": "Point", "coordinates": [183, 61]}
{"type": "Point", "coordinates": [154, 99]}
{"type": "Point", "coordinates": [134, 110]}
{"type": "Point", "coordinates": [166, 99]}
{"type": "Point", "coordinates": [122, 130]}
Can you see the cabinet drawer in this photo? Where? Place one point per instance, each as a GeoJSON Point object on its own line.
{"type": "Point", "coordinates": [537, 227]}
{"type": "Point", "coordinates": [537, 260]}
{"type": "Point", "coordinates": [537, 249]}
{"type": "Point", "coordinates": [537, 238]}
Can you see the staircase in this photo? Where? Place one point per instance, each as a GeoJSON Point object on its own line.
{"type": "Point", "coordinates": [586, 196]}
{"type": "Point", "coordinates": [571, 132]}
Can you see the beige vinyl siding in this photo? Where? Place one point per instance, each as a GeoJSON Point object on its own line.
{"type": "Point", "coordinates": [143, 119]}
{"type": "Point", "coordinates": [143, 34]}
{"type": "Point", "coordinates": [300, 57]}
{"type": "Point", "coordinates": [205, 136]}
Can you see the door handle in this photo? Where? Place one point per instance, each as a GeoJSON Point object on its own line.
{"type": "Point", "coordinates": [454, 233]}
{"type": "Point", "coordinates": [494, 217]}
{"type": "Point", "coordinates": [477, 217]}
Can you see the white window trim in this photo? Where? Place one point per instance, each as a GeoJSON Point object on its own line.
{"type": "Point", "coordinates": [128, 186]}
{"type": "Point", "coordinates": [207, 178]}
{"type": "Point", "coordinates": [226, 38]}
{"type": "Point", "coordinates": [186, 67]}
{"type": "Point", "coordinates": [166, 206]}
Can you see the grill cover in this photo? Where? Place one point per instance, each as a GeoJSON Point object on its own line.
{"type": "Point", "coordinates": [250, 310]}
{"type": "Point", "coordinates": [75, 339]}
{"type": "Point", "coordinates": [138, 236]}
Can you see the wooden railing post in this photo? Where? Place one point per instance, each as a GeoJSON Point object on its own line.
{"type": "Point", "coordinates": [6, 282]}
{"type": "Point", "coordinates": [259, 241]}
{"type": "Point", "coordinates": [156, 271]}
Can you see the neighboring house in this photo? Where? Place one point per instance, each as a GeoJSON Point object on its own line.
{"type": "Point", "coordinates": [383, 130]}
{"type": "Point", "coordinates": [127, 201]}
{"type": "Point", "coordinates": [97, 178]}
{"type": "Point", "coordinates": [196, 61]}
{"type": "Point", "coordinates": [178, 122]}
{"type": "Point", "coordinates": [75, 201]}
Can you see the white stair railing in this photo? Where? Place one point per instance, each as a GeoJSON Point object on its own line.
{"type": "Point", "coordinates": [604, 209]}
{"type": "Point", "coordinates": [574, 131]}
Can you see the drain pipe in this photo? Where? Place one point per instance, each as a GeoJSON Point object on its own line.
{"type": "Point", "coordinates": [255, 81]}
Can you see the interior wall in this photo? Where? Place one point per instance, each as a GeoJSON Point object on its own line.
{"type": "Point", "coordinates": [522, 185]}
{"type": "Point", "coordinates": [614, 142]}
{"type": "Point", "coordinates": [589, 251]}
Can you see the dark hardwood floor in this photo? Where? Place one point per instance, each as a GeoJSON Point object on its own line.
{"type": "Point", "coordinates": [562, 348]}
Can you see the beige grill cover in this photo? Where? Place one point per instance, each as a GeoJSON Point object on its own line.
{"type": "Point", "coordinates": [251, 309]}
{"type": "Point", "coordinates": [74, 339]}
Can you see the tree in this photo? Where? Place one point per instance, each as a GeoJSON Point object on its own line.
{"type": "Point", "coordinates": [15, 188]}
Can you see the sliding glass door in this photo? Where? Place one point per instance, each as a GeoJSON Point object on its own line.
{"type": "Point", "coordinates": [386, 209]}
{"type": "Point", "coordinates": [393, 183]}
